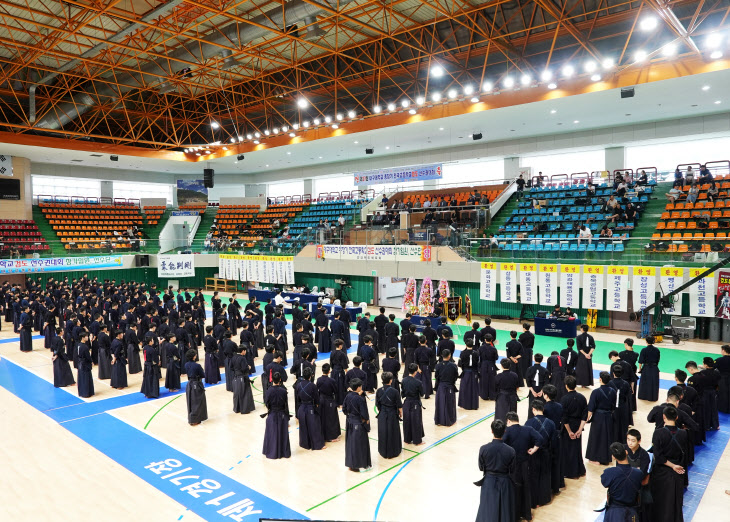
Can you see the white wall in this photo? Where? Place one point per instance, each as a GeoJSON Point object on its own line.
{"type": "Point", "coordinates": [226, 190]}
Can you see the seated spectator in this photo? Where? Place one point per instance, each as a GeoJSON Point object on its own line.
{"type": "Point", "coordinates": [523, 221]}
{"type": "Point", "coordinates": [705, 175]}
{"type": "Point", "coordinates": [590, 190]}
{"type": "Point", "coordinates": [535, 204]}
{"type": "Point", "coordinates": [678, 178]}
{"type": "Point", "coordinates": [621, 189]}
{"type": "Point", "coordinates": [427, 203]}
{"type": "Point", "coordinates": [643, 179]}
{"type": "Point", "coordinates": [674, 194]}
{"type": "Point", "coordinates": [615, 213]}
{"type": "Point", "coordinates": [428, 218]}
{"type": "Point", "coordinates": [443, 202]}
{"type": "Point", "coordinates": [484, 201]}
{"type": "Point", "coordinates": [694, 191]}
{"type": "Point", "coordinates": [474, 198]}
{"type": "Point", "coordinates": [384, 201]}
{"type": "Point", "coordinates": [611, 204]}
{"type": "Point", "coordinates": [401, 205]}
{"type": "Point", "coordinates": [617, 181]}
{"type": "Point", "coordinates": [410, 205]}
{"type": "Point", "coordinates": [585, 233]}
{"type": "Point", "coordinates": [493, 243]}
{"type": "Point", "coordinates": [606, 232]}
{"type": "Point", "coordinates": [713, 191]}
{"type": "Point", "coordinates": [690, 176]}
{"type": "Point", "coordinates": [630, 212]}
{"type": "Point", "coordinates": [276, 223]}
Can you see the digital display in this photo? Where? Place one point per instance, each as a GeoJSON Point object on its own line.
{"type": "Point", "coordinates": [9, 189]}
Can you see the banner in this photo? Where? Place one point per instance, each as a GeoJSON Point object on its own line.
{"type": "Point", "coordinates": [6, 165]}
{"type": "Point", "coordinates": [508, 282]}
{"type": "Point", "coordinates": [262, 269]}
{"type": "Point", "coordinates": [528, 283]}
{"type": "Point", "coordinates": [643, 286]}
{"type": "Point", "coordinates": [488, 282]}
{"type": "Point", "coordinates": [399, 174]}
{"type": "Point", "coordinates": [702, 294]}
{"type": "Point", "coordinates": [722, 301]}
{"type": "Point", "coordinates": [548, 285]}
{"type": "Point", "coordinates": [569, 286]}
{"type": "Point", "coordinates": [593, 287]}
{"type": "Point", "coordinates": [454, 308]}
{"type": "Point", "coordinates": [375, 253]}
{"type": "Point", "coordinates": [191, 192]}
{"type": "Point", "coordinates": [58, 264]}
{"type": "Point", "coordinates": [617, 288]}
{"type": "Point", "coordinates": [180, 265]}
{"type": "Point", "coordinates": [671, 279]}
{"type": "Point", "coordinates": [188, 213]}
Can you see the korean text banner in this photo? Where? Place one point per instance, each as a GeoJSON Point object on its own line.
{"type": "Point", "coordinates": [617, 288]}
{"type": "Point", "coordinates": [58, 264]}
{"type": "Point", "coordinates": [262, 269]}
{"type": "Point", "coordinates": [671, 279]}
{"type": "Point", "coordinates": [488, 282]}
{"type": "Point", "coordinates": [375, 253]}
{"type": "Point", "coordinates": [180, 265]}
{"type": "Point", "coordinates": [569, 286]}
{"type": "Point", "coordinates": [593, 287]}
{"type": "Point", "coordinates": [399, 174]}
{"type": "Point", "coordinates": [528, 283]}
{"type": "Point", "coordinates": [644, 286]}
{"type": "Point", "coordinates": [508, 282]}
{"type": "Point", "coordinates": [702, 294]}
{"type": "Point", "coordinates": [548, 285]}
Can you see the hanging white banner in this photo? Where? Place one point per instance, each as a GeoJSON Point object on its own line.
{"type": "Point", "coordinates": [593, 287]}
{"type": "Point", "coordinates": [548, 285]}
{"type": "Point", "coordinates": [508, 282]}
{"type": "Point", "coordinates": [643, 286]}
{"type": "Point", "coordinates": [242, 274]}
{"type": "Point", "coordinates": [488, 282]}
{"type": "Point", "coordinates": [702, 294]}
{"type": "Point", "coordinates": [528, 283]}
{"type": "Point", "coordinates": [671, 279]}
{"type": "Point", "coordinates": [180, 265]}
{"type": "Point", "coordinates": [570, 286]}
{"type": "Point", "coordinates": [290, 272]}
{"type": "Point", "coordinates": [617, 288]}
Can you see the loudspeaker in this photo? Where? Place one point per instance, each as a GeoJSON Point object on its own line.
{"type": "Point", "coordinates": [208, 178]}
{"type": "Point", "coordinates": [142, 260]}
{"type": "Point", "coordinates": [627, 92]}
{"type": "Point", "coordinates": [114, 158]}
{"type": "Point", "coordinates": [476, 136]}
{"type": "Point", "coordinates": [369, 151]}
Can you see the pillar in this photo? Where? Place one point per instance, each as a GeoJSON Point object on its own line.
{"type": "Point", "coordinates": [615, 158]}
{"type": "Point", "coordinates": [254, 191]}
{"type": "Point", "coordinates": [511, 168]}
{"type": "Point", "coordinates": [107, 189]}
{"type": "Point", "coordinates": [309, 187]}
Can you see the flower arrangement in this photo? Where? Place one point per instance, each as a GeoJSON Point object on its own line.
{"type": "Point", "coordinates": [409, 299]}
{"type": "Point", "coordinates": [425, 301]}
{"type": "Point", "coordinates": [443, 291]}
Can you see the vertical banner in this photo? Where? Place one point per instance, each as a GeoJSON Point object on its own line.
{"type": "Point", "coordinates": [548, 285]}
{"type": "Point", "coordinates": [593, 287]}
{"type": "Point", "coordinates": [617, 288]}
{"type": "Point", "coordinates": [280, 272]}
{"type": "Point", "coordinates": [722, 302]}
{"type": "Point", "coordinates": [702, 294]}
{"type": "Point", "coordinates": [508, 282]}
{"type": "Point", "coordinates": [242, 274]}
{"type": "Point", "coordinates": [251, 271]}
{"type": "Point", "coordinates": [528, 283]}
{"type": "Point", "coordinates": [233, 269]}
{"type": "Point", "coordinates": [488, 282]}
{"type": "Point", "coordinates": [569, 286]}
{"type": "Point", "coordinates": [671, 279]}
{"type": "Point", "coordinates": [290, 272]}
{"type": "Point", "coordinates": [272, 273]}
{"type": "Point", "coordinates": [643, 286]}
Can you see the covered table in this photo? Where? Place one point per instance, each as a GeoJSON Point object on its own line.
{"type": "Point", "coordinates": [556, 327]}
{"type": "Point", "coordinates": [331, 309]}
{"type": "Point", "coordinates": [265, 296]}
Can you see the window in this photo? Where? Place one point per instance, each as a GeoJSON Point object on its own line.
{"type": "Point", "coordinates": [339, 183]}
{"type": "Point", "coordinates": [666, 156]}
{"type": "Point", "coordinates": [58, 186]}
{"type": "Point", "coordinates": [287, 188]}
{"type": "Point", "coordinates": [566, 163]}
{"type": "Point", "coordinates": [473, 173]}
{"type": "Point", "coordinates": [135, 190]}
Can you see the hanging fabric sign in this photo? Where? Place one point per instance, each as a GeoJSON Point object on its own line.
{"type": "Point", "coordinates": [528, 283]}
{"type": "Point", "coordinates": [702, 294]}
{"type": "Point", "coordinates": [671, 279]}
{"type": "Point", "coordinates": [488, 282]}
{"type": "Point", "coordinates": [643, 286]}
{"type": "Point", "coordinates": [548, 284]}
{"type": "Point", "coordinates": [593, 287]}
{"type": "Point", "coordinates": [569, 286]}
{"type": "Point", "coordinates": [508, 282]}
{"type": "Point", "coordinates": [617, 288]}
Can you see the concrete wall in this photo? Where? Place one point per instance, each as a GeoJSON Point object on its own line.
{"type": "Point", "coordinates": [22, 208]}
{"type": "Point", "coordinates": [153, 202]}
{"type": "Point", "coordinates": [260, 201]}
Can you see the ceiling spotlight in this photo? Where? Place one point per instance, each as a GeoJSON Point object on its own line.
{"type": "Point", "coordinates": [705, 87]}
{"type": "Point", "coordinates": [356, 142]}
{"type": "Point", "coordinates": [240, 157]}
{"type": "Point", "coordinates": [335, 126]}
{"type": "Point", "coordinates": [713, 40]}
{"type": "Point", "coordinates": [553, 111]}
{"type": "Point", "coordinates": [576, 121]}
{"type": "Point", "coordinates": [590, 66]}
{"type": "Point", "coordinates": [452, 93]}
{"type": "Point", "coordinates": [437, 71]}
{"type": "Point", "coordinates": [257, 135]}
{"type": "Point", "coordinates": [716, 55]}
{"type": "Point", "coordinates": [327, 119]}
{"type": "Point", "coordinates": [275, 130]}
{"type": "Point", "coordinates": [214, 124]}
{"type": "Point", "coordinates": [640, 55]}
{"type": "Point", "coordinates": [267, 164]}
{"type": "Point", "coordinates": [596, 77]}
{"type": "Point", "coordinates": [284, 128]}
{"type": "Point", "coordinates": [288, 153]}
{"type": "Point", "coordinates": [315, 121]}
{"type": "Point", "coordinates": [648, 24]}
{"type": "Point", "coordinates": [350, 114]}
{"type": "Point", "coordinates": [412, 111]}
{"type": "Point", "coordinates": [291, 134]}
{"type": "Point", "coordinates": [339, 116]}
{"type": "Point", "coordinates": [487, 86]}
{"type": "Point", "coordinates": [387, 147]}
{"type": "Point", "coordinates": [240, 139]}
{"type": "Point", "coordinates": [186, 151]}
{"type": "Point", "coordinates": [718, 102]}
{"type": "Point", "coordinates": [197, 153]}
{"type": "Point", "coordinates": [225, 148]}
{"type": "Point", "coordinates": [670, 49]}
{"type": "Point", "coordinates": [475, 100]}
{"type": "Point", "coordinates": [607, 63]}
{"type": "Point", "coordinates": [525, 80]}
{"type": "Point", "coordinates": [546, 75]}
{"type": "Point", "coordinates": [256, 142]}
{"type": "Point", "coordinates": [377, 109]}
{"type": "Point", "coordinates": [295, 126]}
{"type": "Point", "coordinates": [468, 90]}
{"type": "Point", "coordinates": [266, 132]}
{"type": "Point", "coordinates": [552, 85]}
{"type": "Point", "coordinates": [305, 124]}
{"type": "Point", "coordinates": [391, 107]}
{"type": "Point", "coordinates": [508, 82]}
{"type": "Point", "coordinates": [436, 96]}
{"type": "Point", "coordinates": [405, 103]}
{"type": "Point", "coordinates": [568, 71]}
{"type": "Point", "coordinates": [233, 140]}
{"type": "Point", "coordinates": [420, 100]}
{"type": "Point", "coordinates": [302, 103]}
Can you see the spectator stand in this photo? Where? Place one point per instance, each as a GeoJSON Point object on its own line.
{"type": "Point", "coordinates": [19, 237]}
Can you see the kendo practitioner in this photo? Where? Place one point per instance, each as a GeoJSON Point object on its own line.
{"type": "Point", "coordinates": [488, 330]}
{"type": "Point", "coordinates": [132, 343]}
{"type": "Point", "coordinates": [498, 462]}
{"type": "Point", "coordinates": [26, 331]}
{"type": "Point", "coordinates": [527, 340]}
{"type": "Point", "coordinates": [423, 355]}
{"type": "Point", "coordinates": [195, 390]}
{"type": "Point", "coordinates": [275, 366]}
{"type": "Point", "coordinates": [328, 405]}
{"type": "Point", "coordinates": [310, 423]}
{"type": "Point", "coordinates": [649, 370]}
{"type": "Point", "coordinates": [622, 414]}
{"type": "Point", "coordinates": [240, 371]}
{"type": "Point", "coordinates": [408, 344]}
{"type": "Point", "coordinates": [514, 353]}
{"type": "Point", "coordinates": [390, 414]}
{"type": "Point", "coordinates": [584, 364]}
{"type": "Point", "coordinates": [571, 357]}
{"type": "Point", "coordinates": [276, 436]}
{"type": "Point", "coordinates": [469, 388]}
{"type": "Point", "coordinates": [488, 357]}
{"type": "Point", "coordinates": [356, 372]}
{"type": "Point", "coordinates": [623, 483]}
{"type": "Point", "coordinates": [701, 384]}
{"type": "Point", "coordinates": [391, 336]}
{"type": "Point", "coordinates": [575, 413]}
{"type": "Point", "coordinates": [104, 354]}
{"type": "Point", "coordinates": [553, 410]}
{"type": "Point", "coordinates": [391, 364]}
{"type": "Point", "coordinates": [412, 408]}
{"type": "Point", "coordinates": [212, 370]}
{"type": "Point", "coordinates": [368, 365]}
{"type": "Point", "coordinates": [431, 339]}
{"type": "Point", "coordinates": [506, 384]}
{"type": "Point", "coordinates": [151, 376]}
{"type": "Point", "coordinates": [536, 377]}
{"type": "Point", "coordinates": [691, 398]}
{"type": "Point", "coordinates": [321, 324]}
{"type": "Point", "coordinates": [722, 365]}
{"type": "Point", "coordinates": [199, 318]}
{"type": "Point", "coordinates": [600, 416]}
{"type": "Point", "coordinates": [541, 461]}
{"type": "Point", "coordinates": [62, 374]}
{"type": "Point", "coordinates": [172, 373]}
{"type": "Point", "coordinates": [380, 321]}
{"type": "Point", "coordinates": [118, 361]}
{"type": "Point", "coordinates": [219, 334]}
{"type": "Point", "coordinates": [713, 381]}
{"type": "Point", "coordinates": [357, 444]}
{"type": "Point", "coordinates": [234, 315]}
{"type": "Point", "coordinates": [362, 325]}
{"type": "Point", "coordinates": [373, 334]}
{"type": "Point", "coordinates": [337, 328]}
{"type": "Point", "coordinates": [229, 348]}
{"type": "Point", "coordinates": [627, 374]}
{"type": "Point", "coordinates": [85, 380]}
{"type": "Point", "coordinates": [297, 316]}
{"type": "Point", "coordinates": [405, 325]}
{"type": "Point", "coordinates": [684, 421]}
{"type": "Point", "coordinates": [49, 325]}
{"type": "Point", "coordinates": [639, 458]}
{"type": "Point", "coordinates": [446, 343]}
{"type": "Point", "coordinates": [298, 371]}
{"type": "Point", "coordinates": [346, 319]}
{"type": "Point", "coordinates": [474, 334]}
{"type": "Point", "coordinates": [446, 375]}
{"type": "Point", "coordinates": [339, 362]}
{"type": "Point", "coordinates": [525, 441]}
{"type": "Point", "coordinates": [629, 356]}
{"type": "Point", "coordinates": [667, 482]}
{"type": "Point", "coordinates": [279, 324]}
{"type": "Point", "coordinates": [557, 369]}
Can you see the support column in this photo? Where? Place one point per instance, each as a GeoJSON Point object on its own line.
{"type": "Point", "coordinates": [615, 158]}
{"type": "Point", "coordinates": [309, 187]}
{"type": "Point", "coordinates": [511, 168]}
{"type": "Point", "coordinates": [107, 189]}
{"type": "Point", "coordinates": [253, 191]}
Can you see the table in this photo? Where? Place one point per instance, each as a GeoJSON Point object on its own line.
{"type": "Point", "coordinates": [302, 298]}
{"type": "Point", "coordinates": [553, 327]}
{"type": "Point", "coordinates": [331, 309]}
{"type": "Point", "coordinates": [265, 296]}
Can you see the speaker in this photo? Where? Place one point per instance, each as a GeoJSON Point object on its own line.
{"type": "Point", "coordinates": [114, 158]}
{"type": "Point", "coordinates": [142, 260]}
{"type": "Point", "coordinates": [627, 92]}
{"type": "Point", "coordinates": [476, 136]}
{"type": "Point", "coordinates": [369, 151]}
{"type": "Point", "coordinates": [208, 178]}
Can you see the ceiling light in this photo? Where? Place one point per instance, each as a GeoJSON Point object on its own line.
{"type": "Point", "coordinates": [295, 126]}
{"type": "Point", "coordinates": [405, 103]}
{"type": "Point", "coordinates": [420, 100]}
{"type": "Point", "coordinates": [327, 119]}
{"type": "Point", "coordinates": [716, 55]}
{"type": "Point", "coordinates": [640, 55]}
{"type": "Point", "coordinates": [256, 142]}
{"type": "Point", "coordinates": [291, 134]}
{"type": "Point", "coordinates": [266, 132]}
{"type": "Point", "coordinates": [350, 114]}
{"type": "Point", "coordinates": [436, 96]}
{"type": "Point", "coordinates": [185, 151]}
{"type": "Point", "coordinates": [197, 153]}
{"type": "Point", "coordinates": [275, 130]}
{"type": "Point", "coordinates": [233, 140]}
{"type": "Point", "coordinates": [339, 116]}
{"type": "Point", "coordinates": [441, 128]}
{"type": "Point", "coordinates": [508, 82]}
{"type": "Point", "coordinates": [412, 111]}
{"type": "Point", "coordinates": [607, 63]}
{"type": "Point", "coordinates": [705, 87]}
{"type": "Point", "coordinates": [335, 126]}
{"type": "Point", "coordinates": [596, 77]}
{"type": "Point", "coordinates": [452, 93]}
{"type": "Point", "coordinates": [302, 103]}
{"type": "Point", "coordinates": [670, 49]}
{"type": "Point", "coordinates": [553, 111]}
{"type": "Point", "coordinates": [552, 85]}
{"type": "Point", "coordinates": [267, 164]}
{"type": "Point", "coordinates": [391, 107]}
{"type": "Point", "coordinates": [315, 121]}
{"type": "Point", "coordinates": [568, 71]}
{"type": "Point", "coordinates": [475, 100]}
{"type": "Point", "coordinates": [256, 134]}
{"type": "Point", "coordinates": [590, 66]}
{"type": "Point", "coordinates": [240, 139]}
{"type": "Point", "coordinates": [437, 71]}
{"type": "Point", "coordinates": [468, 90]}
{"type": "Point", "coordinates": [377, 109]}
{"type": "Point", "coordinates": [288, 153]}
{"type": "Point", "coordinates": [387, 147]}
{"type": "Point", "coordinates": [576, 121]}
{"type": "Point", "coordinates": [320, 157]}
{"type": "Point", "coordinates": [225, 148]}
{"type": "Point", "coordinates": [546, 75]}
{"type": "Point", "coordinates": [525, 80]}
{"type": "Point", "coordinates": [487, 86]}
{"type": "Point", "coordinates": [713, 40]}
{"type": "Point", "coordinates": [356, 142]}
{"type": "Point", "coordinates": [214, 124]}
{"type": "Point", "coordinates": [305, 124]}
{"type": "Point", "coordinates": [648, 24]}
{"type": "Point", "coordinates": [718, 102]}
{"type": "Point", "coordinates": [284, 128]}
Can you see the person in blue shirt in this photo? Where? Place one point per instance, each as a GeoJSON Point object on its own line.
{"type": "Point", "coordinates": [623, 483]}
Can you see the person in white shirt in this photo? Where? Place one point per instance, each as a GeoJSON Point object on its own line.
{"type": "Point", "coordinates": [341, 220]}
{"type": "Point", "coordinates": [427, 203]}
{"type": "Point", "coordinates": [279, 300]}
{"type": "Point", "coordinates": [585, 233]}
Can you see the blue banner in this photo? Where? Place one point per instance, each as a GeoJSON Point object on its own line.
{"type": "Point", "coordinates": [191, 213]}
{"type": "Point", "coordinates": [56, 264]}
{"type": "Point", "coordinates": [399, 174]}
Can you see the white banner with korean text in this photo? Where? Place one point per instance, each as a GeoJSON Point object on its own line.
{"type": "Point", "coordinates": [617, 288]}
{"type": "Point", "coordinates": [528, 283]}
{"type": "Point", "coordinates": [671, 279]}
{"type": "Point", "coordinates": [488, 282]}
{"type": "Point", "coordinates": [570, 286]}
{"type": "Point", "coordinates": [702, 294]}
{"type": "Point", "coordinates": [593, 287]}
{"type": "Point", "coordinates": [508, 282]}
{"type": "Point", "coordinates": [643, 286]}
{"type": "Point", "coordinates": [549, 284]}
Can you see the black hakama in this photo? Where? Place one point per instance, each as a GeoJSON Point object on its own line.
{"type": "Point", "coordinates": [469, 391]}
{"type": "Point", "coordinates": [119, 374]}
{"type": "Point", "coordinates": [163, 354]}
{"type": "Point", "coordinates": [487, 374]}
{"type": "Point", "coordinates": [196, 403]}
{"type": "Point", "coordinates": [85, 380]}
{"type": "Point", "coordinates": [242, 394]}
{"type": "Point", "coordinates": [723, 393]}
{"type": "Point", "coordinates": [338, 375]}
{"type": "Point", "coordinates": [135, 364]}
{"type": "Point", "coordinates": [497, 497]}
{"type": "Point", "coordinates": [649, 383]}
{"type": "Point", "coordinates": [212, 370]}
{"type": "Point", "coordinates": [26, 339]}
{"type": "Point", "coordinates": [412, 421]}
{"type": "Point", "coordinates": [276, 436]}
{"type": "Point", "coordinates": [388, 402]}
{"type": "Point", "coordinates": [151, 380]}
{"type": "Point", "coordinates": [506, 402]}
{"type": "Point", "coordinates": [584, 370]}
{"type": "Point", "coordinates": [445, 414]}
{"type": "Point", "coordinates": [62, 374]}
{"type": "Point", "coordinates": [228, 373]}
{"type": "Point", "coordinates": [571, 450]}
{"type": "Point", "coordinates": [667, 490]}
{"type": "Point", "coordinates": [49, 333]}
{"type": "Point", "coordinates": [329, 416]}
{"type": "Point", "coordinates": [602, 403]}
{"type": "Point", "coordinates": [105, 363]}
{"type": "Point", "coordinates": [324, 345]}
{"type": "Point", "coordinates": [310, 427]}
{"type": "Point", "coordinates": [357, 444]}
{"type": "Point", "coordinates": [425, 376]}
{"type": "Point", "coordinates": [172, 375]}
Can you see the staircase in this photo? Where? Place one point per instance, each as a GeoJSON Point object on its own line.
{"type": "Point", "coordinates": [646, 226]}
{"type": "Point", "coordinates": [152, 233]}
{"type": "Point", "coordinates": [203, 229]}
{"type": "Point", "coordinates": [54, 242]}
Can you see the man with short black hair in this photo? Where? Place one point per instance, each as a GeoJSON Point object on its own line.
{"type": "Point", "coordinates": [498, 462]}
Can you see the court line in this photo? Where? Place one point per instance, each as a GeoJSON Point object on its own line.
{"type": "Point", "coordinates": [158, 411]}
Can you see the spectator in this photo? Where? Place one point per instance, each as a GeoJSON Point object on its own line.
{"type": "Point", "coordinates": [674, 194]}
{"type": "Point", "coordinates": [540, 179]}
{"type": "Point", "coordinates": [276, 223]}
{"type": "Point", "coordinates": [705, 175]}
{"type": "Point", "coordinates": [410, 205]}
{"type": "Point", "coordinates": [427, 203]}
{"type": "Point", "coordinates": [606, 232]}
{"type": "Point", "coordinates": [694, 191]}
{"type": "Point", "coordinates": [590, 190]}
{"type": "Point", "coordinates": [585, 233]}
{"type": "Point", "coordinates": [428, 218]}
{"type": "Point", "coordinates": [520, 186]}
{"type": "Point", "coordinates": [630, 213]}
{"type": "Point", "coordinates": [484, 202]}
{"type": "Point", "coordinates": [474, 198]}
{"type": "Point", "coordinates": [643, 179]}
{"type": "Point", "coordinates": [690, 176]}
{"type": "Point", "coordinates": [713, 191]}
{"type": "Point", "coordinates": [621, 188]}
{"type": "Point", "coordinates": [617, 181]}
{"type": "Point", "coordinates": [611, 204]}
{"type": "Point", "coordinates": [384, 201]}
{"type": "Point", "coordinates": [616, 213]}
{"type": "Point", "coordinates": [443, 202]}
{"type": "Point", "coordinates": [493, 243]}
{"type": "Point", "coordinates": [341, 221]}
{"type": "Point", "coordinates": [678, 178]}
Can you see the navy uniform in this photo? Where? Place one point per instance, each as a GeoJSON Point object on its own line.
{"type": "Point", "coordinates": [276, 436]}
{"type": "Point", "coordinates": [310, 424]}
{"type": "Point", "coordinates": [357, 444]}
{"type": "Point", "coordinates": [195, 393]}
{"type": "Point", "coordinates": [62, 374]}
{"type": "Point", "coordinates": [575, 410]}
{"type": "Point", "coordinates": [649, 382]}
{"type": "Point", "coordinates": [423, 355]}
{"type": "Point", "coordinates": [388, 402]}
{"type": "Point", "coordinates": [536, 377]}
{"type": "Point", "coordinates": [340, 362]}
{"type": "Point", "coordinates": [446, 375]}
{"type": "Point", "coordinates": [328, 414]}
{"type": "Point", "coordinates": [487, 371]}
{"type": "Point", "coordinates": [623, 483]}
{"type": "Point", "coordinates": [497, 499]}
{"type": "Point", "coordinates": [85, 380]}
{"type": "Point", "coordinates": [602, 403]}
{"type": "Point", "coordinates": [667, 486]}
{"type": "Point", "coordinates": [522, 438]}
{"type": "Point", "coordinates": [242, 394]}
{"type": "Point", "coordinates": [412, 410]}
{"type": "Point", "coordinates": [541, 461]}
{"type": "Point", "coordinates": [584, 365]}
{"type": "Point", "coordinates": [151, 376]}
{"type": "Point", "coordinates": [469, 388]}
{"type": "Point", "coordinates": [506, 384]}
{"type": "Point", "coordinates": [119, 368]}
{"type": "Point", "coordinates": [557, 368]}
